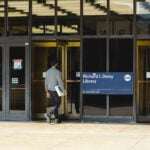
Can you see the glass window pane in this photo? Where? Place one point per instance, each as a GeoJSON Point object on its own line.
{"type": "Point", "coordinates": [0, 78]}
{"type": "Point", "coordinates": [94, 16]}
{"type": "Point", "coordinates": [43, 17]}
{"type": "Point", "coordinates": [94, 105]}
{"type": "Point", "coordinates": [121, 17]}
{"type": "Point", "coordinates": [68, 17]}
{"type": "Point", "coordinates": [73, 63]}
{"type": "Point", "coordinates": [144, 99]}
{"type": "Point", "coordinates": [143, 17]}
{"type": "Point", "coordinates": [121, 55]}
{"type": "Point", "coordinates": [18, 17]}
{"type": "Point", "coordinates": [94, 55]}
{"type": "Point", "coordinates": [2, 17]}
{"type": "Point", "coordinates": [17, 78]}
{"type": "Point", "coordinates": [121, 105]}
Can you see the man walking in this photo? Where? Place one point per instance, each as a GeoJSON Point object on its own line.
{"type": "Point", "coordinates": [53, 79]}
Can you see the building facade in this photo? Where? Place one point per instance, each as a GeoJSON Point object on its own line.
{"type": "Point", "coordinates": [103, 36]}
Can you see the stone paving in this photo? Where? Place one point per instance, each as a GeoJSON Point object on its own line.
{"type": "Point", "coordinates": [39, 135]}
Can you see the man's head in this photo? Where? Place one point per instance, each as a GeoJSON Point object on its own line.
{"type": "Point", "coordinates": [53, 63]}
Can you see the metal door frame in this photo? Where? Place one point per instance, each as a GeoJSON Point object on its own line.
{"type": "Point", "coordinates": [26, 114]}
{"type": "Point", "coordinates": [2, 114]}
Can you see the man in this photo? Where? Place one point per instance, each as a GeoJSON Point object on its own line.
{"type": "Point", "coordinates": [53, 79]}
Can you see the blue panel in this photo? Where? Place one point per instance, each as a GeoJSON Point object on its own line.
{"type": "Point", "coordinates": [107, 83]}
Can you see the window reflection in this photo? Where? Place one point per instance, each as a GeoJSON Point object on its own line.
{"type": "Point", "coordinates": [43, 12]}
{"type": "Point", "coordinates": [68, 17]}
{"type": "Point", "coordinates": [1, 17]}
{"type": "Point", "coordinates": [94, 15]}
{"type": "Point", "coordinates": [143, 17]}
{"type": "Point", "coordinates": [18, 17]}
{"type": "Point", "coordinates": [121, 17]}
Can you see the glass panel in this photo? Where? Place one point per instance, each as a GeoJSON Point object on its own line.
{"type": "Point", "coordinates": [94, 51]}
{"type": "Point", "coordinates": [144, 80]}
{"type": "Point", "coordinates": [121, 105]}
{"type": "Point", "coordinates": [144, 99]}
{"type": "Point", "coordinates": [143, 62]}
{"type": "Point", "coordinates": [0, 78]}
{"type": "Point", "coordinates": [94, 105]}
{"type": "Point", "coordinates": [68, 12]}
{"type": "Point", "coordinates": [94, 60]}
{"type": "Point", "coordinates": [43, 17]}
{"type": "Point", "coordinates": [121, 17]}
{"type": "Point", "coordinates": [2, 17]}
{"type": "Point", "coordinates": [17, 78]}
{"type": "Point", "coordinates": [94, 15]}
{"type": "Point", "coordinates": [143, 17]}
{"type": "Point", "coordinates": [18, 17]}
{"type": "Point", "coordinates": [73, 87]}
{"type": "Point", "coordinates": [73, 63]}
{"type": "Point", "coordinates": [121, 55]}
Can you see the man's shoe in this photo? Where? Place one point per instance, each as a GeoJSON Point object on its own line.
{"type": "Point", "coordinates": [50, 110]}
{"type": "Point", "coordinates": [48, 119]}
{"type": "Point", "coordinates": [57, 121]}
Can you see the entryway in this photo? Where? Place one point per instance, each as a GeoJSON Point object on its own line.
{"type": "Point", "coordinates": [68, 56]}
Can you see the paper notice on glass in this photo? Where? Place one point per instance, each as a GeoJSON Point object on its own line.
{"type": "Point", "coordinates": [59, 91]}
{"type": "Point", "coordinates": [17, 64]}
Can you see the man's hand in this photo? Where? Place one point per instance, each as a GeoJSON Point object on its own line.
{"type": "Point", "coordinates": [65, 93]}
{"type": "Point", "coordinates": [48, 95]}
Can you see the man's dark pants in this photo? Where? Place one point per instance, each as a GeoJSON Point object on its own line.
{"type": "Point", "coordinates": [54, 103]}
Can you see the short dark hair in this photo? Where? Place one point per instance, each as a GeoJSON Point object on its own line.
{"type": "Point", "coordinates": [53, 62]}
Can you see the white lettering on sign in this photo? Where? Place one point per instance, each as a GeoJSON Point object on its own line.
{"type": "Point", "coordinates": [105, 76]}
{"type": "Point", "coordinates": [91, 76]}
{"type": "Point", "coordinates": [89, 81]}
{"type": "Point", "coordinates": [96, 76]}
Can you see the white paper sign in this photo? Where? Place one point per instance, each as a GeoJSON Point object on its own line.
{"type": "Point", "coordinates": [147, 74]}
{"type": "Point", "coordinates": [17, 64]}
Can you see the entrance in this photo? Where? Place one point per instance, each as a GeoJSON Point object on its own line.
{"type": "Point", "coordinates": [14, 74]}
{"type": "Point", "coordinates": [143, 81]}
{"type": "Point", "coordinates": [68, 56]}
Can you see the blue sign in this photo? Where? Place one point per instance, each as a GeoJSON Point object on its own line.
{"type": "Point", "coordinates": [107, 83]}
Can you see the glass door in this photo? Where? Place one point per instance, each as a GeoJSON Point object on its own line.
{"type": "Point", "coordinates": [72, 79]}
{"type": "Point", "coordinates": [42, 54]}
{"type": "Point", "coordinates": [67, 54]}
{"type": "Point", "coordinates": [143, 81]}
{"type": "Point", "coordinates": [17, 81]}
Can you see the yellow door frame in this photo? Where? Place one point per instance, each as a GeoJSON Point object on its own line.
{"type": "Point", "coordinates": [69, 44]}
{"type": "Point", "coordinates": [139, 81]}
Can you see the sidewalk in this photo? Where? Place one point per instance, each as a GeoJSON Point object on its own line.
{"type": "Point", "coordinates": [73, 136]}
